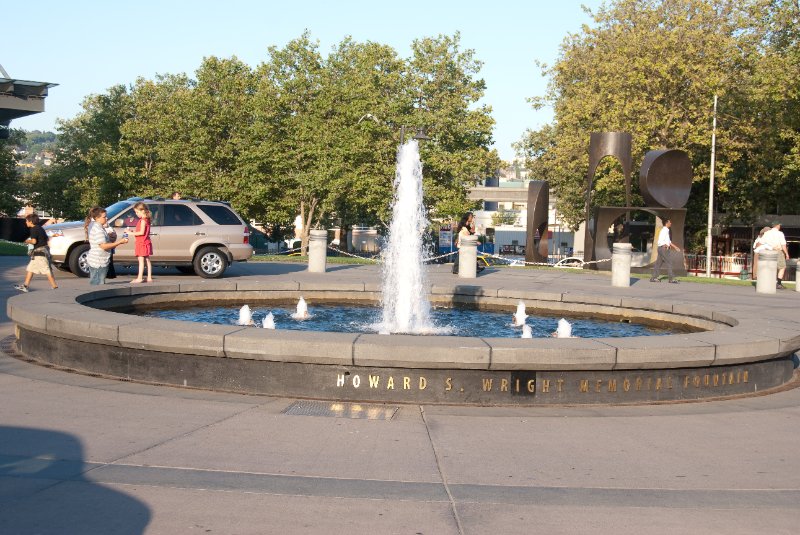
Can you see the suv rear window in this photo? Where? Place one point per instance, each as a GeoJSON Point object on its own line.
{"type": "Point", "coordinates": [220, 214]}
{"type": "Point", "coordinates": [178, 215]}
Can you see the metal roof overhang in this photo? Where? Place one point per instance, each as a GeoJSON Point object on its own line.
{"type": "Point", "coordinates": [19, 98]}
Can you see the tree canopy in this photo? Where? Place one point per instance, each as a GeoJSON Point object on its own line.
{"type": "Point", "coordinates": [302, 132]}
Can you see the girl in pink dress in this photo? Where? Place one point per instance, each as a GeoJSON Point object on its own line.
{"type": "Point", "coordinates": [143, 247]}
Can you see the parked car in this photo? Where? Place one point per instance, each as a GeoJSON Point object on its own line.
{"type": "Point", "coordinates": [193, 235]}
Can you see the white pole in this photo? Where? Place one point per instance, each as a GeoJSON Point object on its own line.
{"type": "Point", "coordinates": [711, 190]}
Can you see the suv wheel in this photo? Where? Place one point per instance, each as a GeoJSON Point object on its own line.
{"type": "Point", "coordinates": [77, 260]}
{"type": "Point", "coordinates": [210, 263]}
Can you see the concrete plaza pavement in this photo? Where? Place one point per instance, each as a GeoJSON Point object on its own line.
{"type": "Point", "coordinates": [82, 454]}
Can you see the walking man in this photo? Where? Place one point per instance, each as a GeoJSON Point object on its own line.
{"type": "Point", "coordinates": [664, 244]}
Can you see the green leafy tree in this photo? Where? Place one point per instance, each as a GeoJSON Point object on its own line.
{"type": "Point", "coordinates": [649, 67]}
{"type": "Point", "coordinates": [87, 165]}
{"type": "Point", "coordinates": [10, 187]}
{"type": "Point", "coordinates": [446, 93]}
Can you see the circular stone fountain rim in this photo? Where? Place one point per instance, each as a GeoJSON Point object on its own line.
{"type": "Point", "coordinates": [65, 315]}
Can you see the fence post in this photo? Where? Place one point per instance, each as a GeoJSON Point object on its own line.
{"type": "Point", "coordinates": [621, 265]}
{"type": "Point", "coordinates": [318, 251]}
{"type": "Point", "coordinates": [767, 272]}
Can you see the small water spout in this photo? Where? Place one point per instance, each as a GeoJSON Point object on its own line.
{"type": "Point", "coordinates": [527, 332]}
{"type": "Point", "coordinates": [302, 310]}
{"type": "Point", "coordinates": [518, 319]}
{"type": "Point", "coordinates": [268, 322]}
{"type": "Point", "coordinates": [245, 316]}
{"type": "Point", "coordinates": [564, 329]}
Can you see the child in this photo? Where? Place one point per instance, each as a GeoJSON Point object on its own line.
{"type": "Point", "coordinates": [144, 246]}
{"type": "Point", "coordinates": [40, 255]}
{"type": "Point", "coordinates": [100, 245]}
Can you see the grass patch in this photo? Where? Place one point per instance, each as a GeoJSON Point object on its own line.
{"type": "Point", "coordinates": [10, 248]}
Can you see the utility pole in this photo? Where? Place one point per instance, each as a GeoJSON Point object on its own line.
{"type": "Point", "coordinates": [711, 190]}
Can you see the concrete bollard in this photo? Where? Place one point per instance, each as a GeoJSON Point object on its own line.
{"type": "Point", "coordinates": [468, 257]}
{"type": "Point", "coordinates": [767, 272]}
{"type": "Point", "coordinates": [621, 265]}
{"type": "Point", "coordinates": [318, 251]}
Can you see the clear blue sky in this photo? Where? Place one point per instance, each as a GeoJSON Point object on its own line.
{"type": "Point", "coordinates": [86, 47]}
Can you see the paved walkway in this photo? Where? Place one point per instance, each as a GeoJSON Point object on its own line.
{"type": "Point", "coordinates": [86, 455]}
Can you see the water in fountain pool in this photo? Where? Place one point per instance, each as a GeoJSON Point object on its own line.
{"type": "Point", "coordinates": [366, 319]}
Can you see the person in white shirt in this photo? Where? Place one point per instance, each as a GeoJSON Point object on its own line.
{"type": "Point", "coordinates": [664, 244]}
{"type": "Point", "coordinates": [758, 246]}
{"type": "Point", "coordinates": [775, 239]}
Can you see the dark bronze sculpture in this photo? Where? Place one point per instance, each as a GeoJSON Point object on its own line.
{"type": "Point", "coordinates": [665, 181]}
{"type": "Point", "coordinates": [538, 206]}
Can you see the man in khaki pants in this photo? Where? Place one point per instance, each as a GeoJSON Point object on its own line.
{"type": "Point", "coordinates": [664, 244]}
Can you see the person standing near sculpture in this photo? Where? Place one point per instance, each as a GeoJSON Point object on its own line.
{"type": "Point", "coordinates": [664, 244]}
{"type": "Point", "coordinates": [775, 239]}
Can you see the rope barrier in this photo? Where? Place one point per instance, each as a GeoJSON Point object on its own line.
{"type": "Point", "coordinates": [445, 255]}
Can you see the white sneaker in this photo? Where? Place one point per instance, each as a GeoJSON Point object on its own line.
{"type": "Point", "coordinates": [21, 287]}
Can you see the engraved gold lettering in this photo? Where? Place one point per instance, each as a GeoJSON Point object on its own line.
{"type": "Point", "coordinates": [685, 381]}
{"type": "Point", "coordinates": [626, 384]}
{"type": "Point", "coordinates": [638, 383]}
{"type": "Point", "coordinates": [503, 385]}
{"type": "Point", "coordinates": [612, 385]}
{"type": "Point", "coordinates": [649, 382]}
{"type": "Point", "coordinates": [724, 378]}
{"type": "Point", "coordinates": [406, 383]}
{"type": "Point", "coordinates": [390, 383]}
{"type": "Point", "coordinates": [706, 380]}
{"type": "Point", "coordinates": [696, 381]}
{"type": "Point", "coordinates": [745, 376]}
{"type": "Point", "coordinates": [448, 384]}
{"type": "Point", "coordinates": [545, 385]}
{"type": "Point", "coordinates": [715, 379]}
{"type": "Point", "coordinates": [487, 385]}
{"type": "Point", "coordinates": [738, 377]}
{"type": "Point", "coordinates": [517, 381]}
{"type": "Point", "coordinates": [356, 381]}
{"type": "Point", "coordinates": [560, 383]}
{"type": "Point", "coordinates": [730, 379]}
{"type": "Point", "coordinates": [340, 380]}
{"type": "Point", "coordinates": [531, 386]}
{"type": "Point", "coordinates": [658, 383]}
{"type": "Point", "coordinates": [597, 385]}
{"type": "Point", "coordinates": [374, 381]}
{"type": "Point", "coordinates": [584, 385]}
{"type": "Point", "coordinates": [669, 382]}
{"type": "Point", "coordinates": [423, 383]}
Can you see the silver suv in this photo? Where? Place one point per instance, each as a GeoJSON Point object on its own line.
{"type": "Point", "coordinates": [192, 235]}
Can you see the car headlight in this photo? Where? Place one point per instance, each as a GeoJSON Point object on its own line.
{"type": "Point", "coordinates": [55, 233]}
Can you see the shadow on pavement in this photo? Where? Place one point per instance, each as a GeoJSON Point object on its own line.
{"type": "Point", "coordinates": [45, 488]}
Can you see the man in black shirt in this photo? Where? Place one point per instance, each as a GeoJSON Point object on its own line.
{"type": "Point", "coordinates": [40, 254]}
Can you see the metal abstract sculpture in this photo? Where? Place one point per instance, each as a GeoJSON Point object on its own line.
{"type": "Point", "coordinates": [538, 206]}
{"type": "Point", "coordinates": [665, 182]}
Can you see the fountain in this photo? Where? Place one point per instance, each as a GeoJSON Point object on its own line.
{"type": "Point", "coordinates": [564, 329]}
{"type": "Point", "coordinates": [406, 308]}
{"type": "Point", "coordinates": [302, 310]}
{"type": "Point", "coordinates": [245, 316]}
{"type": "Point", "coordinates": [519, 316]}
{"type": "Point", "coordinates": [268, 322]}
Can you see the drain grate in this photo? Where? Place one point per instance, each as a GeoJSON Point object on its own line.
{"type": "Point", "coordinates": [338, 409]}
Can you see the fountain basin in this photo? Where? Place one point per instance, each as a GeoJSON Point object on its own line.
{"type": "Point", "coordinates": [73, 329]}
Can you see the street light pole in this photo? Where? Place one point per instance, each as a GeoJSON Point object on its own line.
{"type": "Point", "coordinates": [711, 190]}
